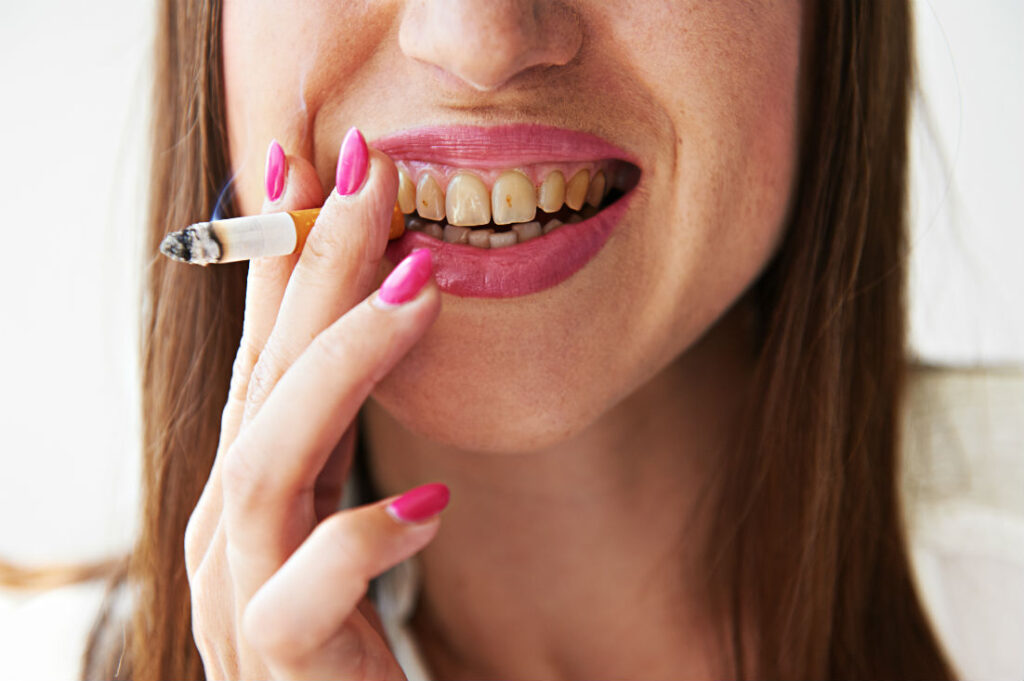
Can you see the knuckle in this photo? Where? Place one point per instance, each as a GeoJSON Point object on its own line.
{"type": "Point", "coordinates": [270, 634]}
{"type": "Point", "coordinates": [242, 486]}
{"type": "Point", "coordinates": [352, 547]}
{"type": "Point", "coordinates": [333, 346]}
{"type": "Point", "coordinates": [325, 247]}
{"type": "Point", "coordinates": [263, 377]}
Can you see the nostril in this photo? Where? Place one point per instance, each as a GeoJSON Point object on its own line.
{"type": "Point", "coordinates": [487, 44]}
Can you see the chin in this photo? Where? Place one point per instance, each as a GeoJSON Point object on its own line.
{"type": "Point", "coordinates": [472, 402]}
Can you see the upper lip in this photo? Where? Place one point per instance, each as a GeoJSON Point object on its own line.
{"type": "Point", "coordinates": [498, 146]}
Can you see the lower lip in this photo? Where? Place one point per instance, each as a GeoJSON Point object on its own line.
{"type": "Point", "coordinates": [517, 270]}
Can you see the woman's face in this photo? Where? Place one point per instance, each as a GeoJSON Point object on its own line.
{"type": "Point", "coordinates": [533, 346]}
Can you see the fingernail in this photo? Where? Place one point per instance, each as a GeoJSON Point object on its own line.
{"type": "Point", "coordinates": [420, 503]}
{"type": "Point", "coordinates": [352, 161]}
{"type": "Point", "coordinates": [406, 280]}
{"type": "Point", "coordinates": [276, 166]}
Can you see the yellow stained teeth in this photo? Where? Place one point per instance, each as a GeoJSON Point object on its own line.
{"type": "Point", "coordinates": [456, 234]}
{"type": "Point", "coordinates": [467, 202]}
{"type": "Point", "coordinates": [429, 198]}
{"type": "Point", "coordinates": [526, 231]}
{"type": "Point", "coordinates": [595, 193]}
{"type": "Point", "coordinates": [552, 192]}
{"type": "Point", "coordinates": [502, 239]}
{"type": "Point", "coordinates": [481, 238]}
{"type": "Point", "coordinates": [513, 198]}
{"type": "Point", "coordinates": [406, 193]}
{"type": "Point", "coordinates": [576, 190]}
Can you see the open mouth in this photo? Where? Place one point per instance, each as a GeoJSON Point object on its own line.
{"type": "Point", "coordinates": [507, 210]}
{"type": "Point", "coordinates": [500, 208]}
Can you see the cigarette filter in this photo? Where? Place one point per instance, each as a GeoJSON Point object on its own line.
{"type": "Point", "coordinates": [253, 236]}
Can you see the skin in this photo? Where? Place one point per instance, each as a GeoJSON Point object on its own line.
{"type": "Point", "coordinates": [576, 427]}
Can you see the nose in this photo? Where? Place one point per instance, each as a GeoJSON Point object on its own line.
{"type": "Point", "coordinates": [486, 43]}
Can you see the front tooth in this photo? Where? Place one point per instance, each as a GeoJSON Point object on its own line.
{"type": "Point", "coordinates": [595, 194]}
{"type": "Point", "coordinates": [526, 231]}
{"type": "Point", "coordinates": [552, 192]}
{"type": "Point", "coordinates": [456, 234]}
{"type": "Point", "coordinates": [502, 239]}
{"type": "Point", "coordinates": [576, 190]}
{"type": "Point", "coordinates": [429, 198]}
{"type": "Point", "coordinates": [480, 237]}
{"type": "Point", "coordinates": [467, 203]}
{"type": "Point", "coordinates": [513, 198]}
{"type": "Point", "coordinates": [406, 193]}
{"type": "Point", "coordinates": [553, 223]}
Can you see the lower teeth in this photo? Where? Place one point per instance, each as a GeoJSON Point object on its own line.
{"type": "Point", "coordinates": [492, 236]}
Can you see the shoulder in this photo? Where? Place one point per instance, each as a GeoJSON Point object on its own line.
{"type": "Point", "coordinates": [963, 478]}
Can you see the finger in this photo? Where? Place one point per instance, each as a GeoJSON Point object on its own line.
{"type": "Point", "coordinates": [292, 184]}
{"type": "Point", "coordinates": [301, 621]}
{"type": "Point", "coordinates": [270, 470]}
{"type": "Point", "coordinates": [337, 269]}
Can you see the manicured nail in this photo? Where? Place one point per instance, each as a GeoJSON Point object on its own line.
{"type": "Point", "coordinates": [352, 162]}
{"type": "Point", "coordinates": [406, 280]}
{"type": "Point", "coordinates": [277, 164]}
{"type": "Point", "coordinates": [420, 503]}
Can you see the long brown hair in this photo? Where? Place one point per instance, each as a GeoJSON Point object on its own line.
{"type": "Point", "coordinates": [814, 560]}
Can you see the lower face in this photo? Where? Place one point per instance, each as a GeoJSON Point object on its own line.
{"type": "Point", "coordinates": [684, 111]}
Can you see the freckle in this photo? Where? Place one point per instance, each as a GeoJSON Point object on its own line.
{"type": "Point", "coordinates": [508, 200]}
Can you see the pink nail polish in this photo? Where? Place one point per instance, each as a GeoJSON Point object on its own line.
{"type": "Point", "coordinates": [420, 503]}
{"type": "Point", "coordinates": [353, 158]}
{"type": "Point", "coordinates": [276, 166]}
{"type": "Point", "coordinates": [406, 280]}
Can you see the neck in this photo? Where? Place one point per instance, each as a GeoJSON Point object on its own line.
{"type": "Point", "coordinates": [584, 559]}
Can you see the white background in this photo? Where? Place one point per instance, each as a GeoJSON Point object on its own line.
{"type": "Point", "coordinates": [73, 119]}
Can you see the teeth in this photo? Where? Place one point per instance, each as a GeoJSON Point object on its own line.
{"type": "Point", "coordinates": [429, 198]}
{"type": "Point", "coordinates": [456, 234]}
{"type": "Point", "coordinates": [552, 192]}
{"type": "Point", "coordinates": [434, 230]}
{"type": "Point", "coordinates": [595, 194]}
{"type": "Point", "coordinates": [576, 190]}
{"type": "Point", "coordinates": [502, 239]}
{"type": "Point", "coordinates": [406, 193]}
{"type": "Point", "coordinates": [526, 231]}
{"type": "Point", "coordinates": [487, 237]}
{"type": "Point", "coordinates": [480, 237]}
{"type": "Point", "coordinates": [467, 203]}
{"type": "Point", "coordinates": [513, 199]}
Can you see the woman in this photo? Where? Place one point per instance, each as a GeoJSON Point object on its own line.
{"type": "Point", "coordinates": [669, 431]}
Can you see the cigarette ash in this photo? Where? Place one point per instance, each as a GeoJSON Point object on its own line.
{"type": "Point", "coordinates": [195, 245]}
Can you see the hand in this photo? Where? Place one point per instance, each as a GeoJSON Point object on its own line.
{"type": "Point", "coordinates": [278, 578]}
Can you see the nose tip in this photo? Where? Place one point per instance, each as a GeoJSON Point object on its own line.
{"type": "Point", "coordinates": [487, 43]}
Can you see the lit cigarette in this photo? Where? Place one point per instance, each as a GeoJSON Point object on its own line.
{"type": "Point", "coordinates": [254, 236]}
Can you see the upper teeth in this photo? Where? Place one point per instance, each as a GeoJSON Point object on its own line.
{"type": "Point", "coordinates": [463, 198]}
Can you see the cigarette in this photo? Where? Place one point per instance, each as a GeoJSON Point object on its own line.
{"type": "Point", "coordinates": [254, 236]}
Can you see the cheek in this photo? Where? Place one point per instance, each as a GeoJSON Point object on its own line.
{"type": "Point", "coordinates": [727, 191]}
{"type": "Point", "coordinates": [281, 61]}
